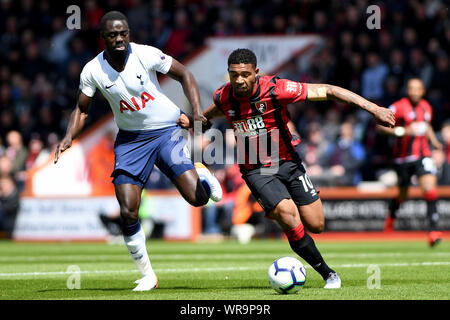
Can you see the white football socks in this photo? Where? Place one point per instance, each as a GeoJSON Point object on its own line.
{"type": "Point", "coordinates": [138, 251]}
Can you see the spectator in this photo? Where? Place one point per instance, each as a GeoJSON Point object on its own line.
{"type": "Point", "coordinates": [373, 76]}
{"type": "Point", "coordinates": [6, 166]}
{"type": "Point", "coordinates": [313, 151]}
{"type": "Point", "coordinates": [414, 41]}
{"type": "Point", "coordinates": [177, 44]}
{"type": "Point", "coordinates": [344, 158]}
{"type": "Point", "coordinates": [37, 154]}
{"type": "Point", "coordinates": [397, 65]}
{"type": "Point", "coordinates": [101, 164]}
{"type": "Point", "coordinates": [2, 147]}
{"type": "Point", "coordinates": [9, 205]}
{"type": "Point", "coordinates": [442, 157]}
{"type": "Point", "coordinates": [18, 153]}
{"type": "Point", "coordinates": [420, 67]}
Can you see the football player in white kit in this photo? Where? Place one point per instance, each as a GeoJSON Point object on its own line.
{"type": "Point", "coordinates": [125, 73]}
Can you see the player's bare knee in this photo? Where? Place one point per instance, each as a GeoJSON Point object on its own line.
{"type": "Point", "coordinates": [317, 227]}
{"type": "Point", "coordinates": [129, 217]}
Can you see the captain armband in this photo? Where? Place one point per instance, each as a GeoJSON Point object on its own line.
{"type": "Point", "coordinates": [317, 94]}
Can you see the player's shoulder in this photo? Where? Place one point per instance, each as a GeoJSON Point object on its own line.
{"type": "Point", "coordinates": [145, 50]}
{"type": "Point", "coordinates": [425, 103]}
{"type": "Point", "coordinates": [221, 91]}
{"type": "Point", "coordinates": [94, 65]}
{"type": "Point", "coordinates": [287, 87]}
{"type": "Point", "coordinates": [400, 104]}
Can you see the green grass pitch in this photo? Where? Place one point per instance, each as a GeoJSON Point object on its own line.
{"type": "Point", "coordinates": [220, 271]}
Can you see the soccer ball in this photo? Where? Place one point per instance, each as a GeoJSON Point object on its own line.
{"type": "Point", "coordinates": [287, 275]}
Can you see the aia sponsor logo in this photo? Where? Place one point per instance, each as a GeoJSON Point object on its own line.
{"type": "Point", "coordinates": [145, 97]}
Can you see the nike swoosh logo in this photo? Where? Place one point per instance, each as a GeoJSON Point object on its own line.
{"type": "Point", "coordinates": [107, 87]}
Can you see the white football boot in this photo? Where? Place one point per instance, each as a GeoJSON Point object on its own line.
{"type": "Point", "coordinates": [214, 184]}
{"type": "Point", "coordinates": [147, 283]}
{"type": "Point", "coordinates": [333, 281]}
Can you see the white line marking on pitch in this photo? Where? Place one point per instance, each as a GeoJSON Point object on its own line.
{"type": "Point", "coordinates": [357, 265]}
{"type": "Point", "coordinates": [212, 256]}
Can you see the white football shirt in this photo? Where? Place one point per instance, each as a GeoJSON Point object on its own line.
{"type": "Point", "coordinates": [134, 94]}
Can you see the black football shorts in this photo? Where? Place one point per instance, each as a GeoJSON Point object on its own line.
{"type": "Point", "coordinates": [419, 168]}
{"type": "Point", "coordinates": [289, 182]}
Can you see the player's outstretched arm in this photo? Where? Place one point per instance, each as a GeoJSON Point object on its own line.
{"type": "Point", "coordinates": [318, 92]}
{"type": "Point", "coordinates": [76, 124]}
{"type": "Point", "coordinates": [182, 74]}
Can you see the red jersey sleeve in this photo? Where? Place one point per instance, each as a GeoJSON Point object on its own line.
{"type": "Point", "coordinates": [290, 91]}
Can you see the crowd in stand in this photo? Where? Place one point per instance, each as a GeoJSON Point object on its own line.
{"type": "Point", "coordinates": [41, 60]}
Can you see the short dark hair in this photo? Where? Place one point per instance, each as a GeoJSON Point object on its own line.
{"type": "Point", "coordinates": [111, 15]}
{"type": "Point", "coordinates": [242, 56]}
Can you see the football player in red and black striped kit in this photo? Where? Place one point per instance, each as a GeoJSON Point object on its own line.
{"type": "Point", "coordinates": [255, 106]}
{"type": "Point", "coordinates": [412, 154]}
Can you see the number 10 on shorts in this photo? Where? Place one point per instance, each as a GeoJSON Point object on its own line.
{"type": "Point", "coordinates": [306, 182]}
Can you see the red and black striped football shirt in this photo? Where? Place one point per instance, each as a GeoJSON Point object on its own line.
{"type": "Point", "coordinates": [260, 121]}
{"type": "Point", "coordinates": [411, 148]}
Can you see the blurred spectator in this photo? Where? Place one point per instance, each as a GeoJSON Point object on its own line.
{"type": "Point", "coordinates": [442, 157]}
{"type": "Point", "coordinates": [9, 204]}
{"type": "Point", "coordinates": [439, 95]}
{"type": "Point", "coordinates": [6, 166]}
{"type": "Point", "coordinates": [313, 151]}
{"type": "Point", "coordinates": [159, 32]}
{"type": "Point", "coordinates": [16, 151]}
{"type": "Point", "coordinates": [218, 217]}
{"type": "Point", "coordinates": [177, 44]}
{"type": "Point", "coordinates": [373, 76]}
{"type": "Point", "coordinates": [2, 147]}
{"type": "Point", "coordinates": [101, 165]}
{"type": "Point", "coordinates": [397, 65]}
{"type": "Point", "coordinates": [344, 157]}
{"type": "Point", "coordinates": [37, 154]}
{"type": "Point", "coordinates": [42, 59]}
{"type": "Point", "coordinates": [420, 67]}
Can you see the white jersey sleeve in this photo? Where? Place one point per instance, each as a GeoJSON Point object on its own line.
{"type": "Point", "coordinates": [87, 85]}
{"type": "Point", "coordinates": [154, 59]}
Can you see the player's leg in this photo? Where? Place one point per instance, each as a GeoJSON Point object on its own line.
{"type": "Point", "coordinates": [310, 211]}
{"type": "Point", "coordinates": [276, 201]}
{"type": "Point", "coordinates": [394, 205]}
{"type": "Point", "coordinates": [194, 181]}
{"type": "Point", "coordinates": [128, 193]}
{"type": "Point", "coordinates": [428, 184]}
{"type": "Point", "coordinates": [404, 176]}
{"type": "Point", "coordinates": [312, 216]}
{"type": "Point", "coordinates": [287, 215]}
{"type": "Point", "coordinates": [198, 185]}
